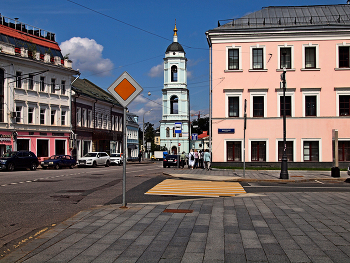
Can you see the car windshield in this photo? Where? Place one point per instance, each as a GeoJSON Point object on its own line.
{"type": "Point", "coordinates": [90, 155]}
{"type": "Point", "coordinates": [55, 157]}
{"type": "Point", "coordinates": [9, 154]}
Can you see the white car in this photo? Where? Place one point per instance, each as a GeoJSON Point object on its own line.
{"type": "Point", "coordinates": [116, 158]}
{"type": "Point", "coordinates": [94, 159]}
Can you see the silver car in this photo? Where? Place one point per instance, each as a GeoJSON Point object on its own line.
{"type": "Point", "coordinates": [116, 158]}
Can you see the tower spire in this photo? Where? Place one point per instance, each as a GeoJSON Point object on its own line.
{"type": "Point", "coordinates": [175, 33]}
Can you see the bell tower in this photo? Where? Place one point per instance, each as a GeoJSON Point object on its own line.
{"type": "Point", "coordinates": [174, 128]}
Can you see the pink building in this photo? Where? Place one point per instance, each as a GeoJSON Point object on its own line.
{"type": "Point", "coordinates": [248, 56]}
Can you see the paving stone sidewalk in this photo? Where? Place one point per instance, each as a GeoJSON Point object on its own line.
{"type": "Point", "coordinates": [273, 227]}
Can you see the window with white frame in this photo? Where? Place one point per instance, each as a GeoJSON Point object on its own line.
{"type": "Point", "coordinates": [78, 116]}
{"type": "Point", "coordinates": [285, 58]}
{"type": "Point", "coordinates": [53, 117]}
{"type": "Point", "coordinates": [83, 118]}
{"type": "Point", "coordinates": [311, 150]}
{"type": "Point", "coordinates": [63, 87]}
{"type": "Point", "coordinates": [290, 111]}
{"type": "Point", "coordinates": [344, 104]}
{"type": "Point", "coordinates": [42, 84]}
{"type": "Point", "coordinates": [90, 118]}
{"type": "Point", "coordinates": [257, 57]}
{"type": "Point", "coordinates": [258, 103]}
{"type": "Point", "coordinates": [53, 85]}
{"type": "Point", "coordinates": [112, 120]}
{"type": "Point", "coordinates": [233, 58]}
{"type": "Point", "coordinates": [311, 102]}
{"type": "Point", "coordinates": [31, 81]}
{"type": "Point", "coordinates": [258, 151]}
{"type": "Point", "coordinates": [18, 114]}
{"type": "Point", "coordinates": [30, 115]}
{"type": "Point", "coordinates": [120, 124]}
{"type": "Point", "coordinates": [18, 79]}
{"type": "Point", "coordinates": [310, 56]}
{"type": "Point", "coordinates": [342, 56]}
{"type": "Point", "coordinates": [63, 117]}
{"type": "Point", "coordinates": [233, 100]}
{"type": "Point", "coordinates": [116, 123]}
{"type": "Point", "coordinates": [42, 115]}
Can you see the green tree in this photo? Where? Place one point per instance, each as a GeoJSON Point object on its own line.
{"type": "Point", "coordinates": [200, 125]}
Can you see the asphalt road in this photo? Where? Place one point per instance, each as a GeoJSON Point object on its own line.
{"type": "Point", "coordinates": [34, 201]}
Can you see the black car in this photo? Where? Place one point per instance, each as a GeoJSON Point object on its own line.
{"type": "Point", "coordinates": [19, 159]}
{"type": "Point", "coordinates": [59, 161]}
{"type": "Point", "coordinates": [170, 160]}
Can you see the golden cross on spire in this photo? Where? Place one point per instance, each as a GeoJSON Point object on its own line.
{"type": "Point", "coordinates": [175, 29]}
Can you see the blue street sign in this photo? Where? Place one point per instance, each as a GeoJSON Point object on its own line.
{"type": "Point", "coordinates": [194, 136]}
{"type": "Point", "coordinates": [226, 130]}
{"type": "Point", "coordinates": [178, 127]}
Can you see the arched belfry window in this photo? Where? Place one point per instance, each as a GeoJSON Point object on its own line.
{"type": "Point", "coordinates": [174, 105]}
{"type": "Point", "coordinates": [2, 83]}
{"type": "Point", "coordinates": [174, 73]}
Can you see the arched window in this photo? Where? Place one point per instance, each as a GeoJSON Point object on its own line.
{"type": "Point", "coordinates": [174, 73]}
{"type": "Point", "coordinates": [174, 105]}
{"type": "Point", "coordinates": [167, 132]}
{"type": "Point", "coordinates": [174, 134]}
{"type": "Point", "coordinates": [2, 81]}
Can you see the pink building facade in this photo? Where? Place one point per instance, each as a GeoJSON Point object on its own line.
{"type": "Point", "coordinates": [248, 56]}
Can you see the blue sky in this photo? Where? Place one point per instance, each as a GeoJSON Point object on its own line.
{"type": "Point", "coordinates": [107, 37]}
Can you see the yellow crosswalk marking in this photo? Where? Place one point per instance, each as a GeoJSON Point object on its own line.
{"type": "Point", "coordinates": [196, 188]}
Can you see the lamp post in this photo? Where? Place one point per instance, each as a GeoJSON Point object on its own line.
{"type": "Point", "coordinates": [143, 134]}
{"type": "Point", "coordinates": [284, 164]}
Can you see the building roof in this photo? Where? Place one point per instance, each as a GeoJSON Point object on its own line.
{"type": "Point", "coordinates": [22, 35]}
{"type": "Point", "coordinates": [291, 16]}
{"type": "Point", "coordinates": [175, 47]}
{"type": "Point", "coordinates": [87, 88]}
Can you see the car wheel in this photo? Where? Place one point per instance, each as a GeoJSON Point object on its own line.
{"type": "Point", "coordinates": [164, 166]}
{"type": "Point", "coordinates": [71, 166]}
{"type": "Point", "coordinates": [57, 166]}
{"type": "Point", "coordinates": [94, 164]}
{"type": "Point", "coordinates": [33, 166]}
{"type": "Point", "coordinates": [10, 167]}
{"type": "Point", "coordinates": [107, 164]}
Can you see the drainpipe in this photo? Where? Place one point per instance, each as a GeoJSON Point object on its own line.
{"type": "Point", "coordinates": [210, 94]}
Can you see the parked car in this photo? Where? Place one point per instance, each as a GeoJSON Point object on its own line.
{"type": "Point", "coordinates": [349, 170]}
{"type": "Point", "coordinates": [59, 161]}
{"type": "Point", "coordinates": [19, 159]}
{"type": "Point", "coordinates": [94, 158]}
{"type": "Point", "coordinates": [116, 158]}
{"type": "Point", "coordinates": [170, 160]}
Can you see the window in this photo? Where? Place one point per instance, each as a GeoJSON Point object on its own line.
{"type": "Point", "coordinates": [258, 62]}
{"type": "Point", "coordinates": [344, 105]}
{"type": "Point", "coordinates": [78, 117]}
{"type": "Point", "coordinates": [289, 150]}
{"type": "Point", "coordinates": [42, 84]}
{"type": "Point", "coordinates": [233, 106]}
{"type": "Point", "coordinates": [174, 73]}
{"type": "Point", "coordinates": [258, 106]}
{"type": "Point", "coordinates": [233, 59]}
{"type": "Point", "coordinates": [288, 106]}
{"type": "Point", "coordinates": [83, 118]}
{"type": "Point", "coordinates": [258, 151]}
{"type": "Point", "coordinates": [53, 84]}
{"type": "Point", "coordinates": [31, 81]}
{"type": "Point", "coordinates": [310, 105]}
{"type": "Point", "coordinates": [120, 124]}
{"type": "Point", "coordinates": [18, 79]}
{"type": "Point", "coordinates": [167, 132]}
{"type": "Point", "coordinates": [90, 118]}
{"type": "Point", "coordinates": [344, 57]}
{"type": "Point", "coordinates": [53, 116]}
{"type": "Point", "coordinates": [63, 118]}
{"type": "Point", "coordinates": [42, 116]}
{"type": "Point", "coordinates": [233, 151]}
{"type": "Point", "coordinates": [174, 134]}
{"type": "Point", "coordinates": [311, 149]}
{"type": "Point", "coordinates": [42, 148]}
{"type": "Point", "coordinates": [63, 87]}
{"type": "Point", "coordinates": [344, 151]}
{"type": "Point", "coordinates": [286, 58]}
{"type": "Point", "coordinates": [18, 114]}
{"type": "Point", "coordinates": [310, 57]}
{"type": "Point", "coordinates": [173, 105]}
{"type": "Point", "coordinates": [30, 115]}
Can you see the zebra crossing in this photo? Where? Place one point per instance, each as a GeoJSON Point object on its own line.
{"type": "Point", "coordinates": [196, 188]}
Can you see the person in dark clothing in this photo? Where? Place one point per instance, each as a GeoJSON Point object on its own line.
{"type": "Point", "coordinates": [140, 156]}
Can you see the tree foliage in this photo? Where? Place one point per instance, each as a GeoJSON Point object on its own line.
{"type": "Point", "coordinates": [200, 125]}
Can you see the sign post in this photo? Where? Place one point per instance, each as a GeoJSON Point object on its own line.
{"type": "Point", "coordinates": [125, 89]}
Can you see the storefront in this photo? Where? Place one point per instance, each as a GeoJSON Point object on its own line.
{"type": "Point", "coordinates": [5, 142]}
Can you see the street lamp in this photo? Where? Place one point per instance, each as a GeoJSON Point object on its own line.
{"type": "Point", "coordinates": [284, 164]}
{"type": "Point", "coordinates": [143, 134]}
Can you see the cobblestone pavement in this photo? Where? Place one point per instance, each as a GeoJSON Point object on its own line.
{"type": "Point", "coordinates": [268, 227]}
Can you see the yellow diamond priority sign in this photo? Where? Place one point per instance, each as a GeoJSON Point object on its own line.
{"type": "Point", "coordinates": [125, 89]}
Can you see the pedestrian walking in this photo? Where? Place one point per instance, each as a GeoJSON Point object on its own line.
{"type": "Point", "coordinates": [140, 156]}
{"type": "Point", "coordinates": [196, 157]}
{"type": "Point", "coordinates": [206, 159]}
{"type": "Point", "coordinates": [182, 159]}
{"type": "Point", "coordinates": [191, 160]}
{"type": "Point", "coordinates": [201, 153]}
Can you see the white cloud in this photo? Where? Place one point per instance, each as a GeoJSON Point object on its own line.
{"type": "Point", "coordinates": [86, 55]}
{"type": "Point", "coordinates": [156, 71]}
